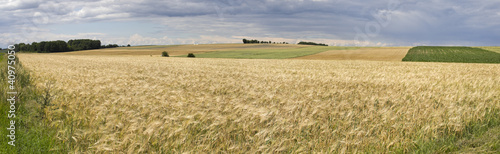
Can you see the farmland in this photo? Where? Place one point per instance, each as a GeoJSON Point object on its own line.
{"type": "Point", "coordinates": [452, 54]}
{"type": "Point", "coordinates": [495, 49]}
{"type": "Point", "coordinates": [361, 53]}
{"type": "Point", "coordinates": [271, 53]}
{"type": "Point", "coordinates": [141, 104]}
{"type": "Point", "coordinates": [180, 50]}
{"type": "Point", "coordinates": [259, 51]}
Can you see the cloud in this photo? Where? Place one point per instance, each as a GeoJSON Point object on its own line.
{"type": "Point", "coordinates": [19, 5]}
{"type": "Point", "coordinates": [394, 22]}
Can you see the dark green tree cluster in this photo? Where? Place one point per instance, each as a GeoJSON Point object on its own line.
{"type": "Point", "coordinates": [84, 44]}
{"type": "Point", "coordinates": [245, 41]}
{"type": "Point", "coordinates": [164, 54]}
{"type": "Point", "coordinates": [44, 46]}
{"type": "Point", "coordinates": [62, 46]}
{"type": "Point", "coordinates": [312, 43]}
{"type": "Point", "coordinates": [110, 46]}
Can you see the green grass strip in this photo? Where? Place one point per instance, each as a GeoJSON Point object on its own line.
{"type": "Point", "coordinates": [32, 133]}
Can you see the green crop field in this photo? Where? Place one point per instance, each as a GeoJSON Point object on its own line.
{"type": "Point", "coordinates": [451, 54]}
{"type": "Point", "coordinates": [269, 53]}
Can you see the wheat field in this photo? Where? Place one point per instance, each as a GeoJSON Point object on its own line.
{"type": "Point", "coordinates": [139, 104]}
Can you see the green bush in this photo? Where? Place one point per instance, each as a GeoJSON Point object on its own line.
{"type": "Point", "coordinates": [191, 55]}
{"type": "Point", "coordinates": [164, 54]}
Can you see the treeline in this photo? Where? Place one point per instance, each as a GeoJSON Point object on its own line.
{"type": "Point", "coordinates": [110, 46]}
{"type": "Point", "coordinates": [44, 46]}
{"type": "Point", "coordinates": [62, 46]}
{"type": "Point", "coordinates": [84, 44]}
{"type": "Point", "coordinates": [245, 41]}
{"type": "Point", "coordinates": [311, 43]}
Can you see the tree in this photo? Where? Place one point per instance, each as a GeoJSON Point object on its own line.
{"type": "Point", "coordinates": [311, 43]}
{"type": "Point", "coordinates": [128, 45]}
{"type": "Point", "coordinates": [164, 54]}
{"type": "Point", "coordinates": [84, 44]}
{"type": "Point", "coordinates": [61, 46]}
{"type": "Point", "coordinates": [191, 55]}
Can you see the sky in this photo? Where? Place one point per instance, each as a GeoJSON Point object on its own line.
{"type": "Point", "coordinates": [333, 22]}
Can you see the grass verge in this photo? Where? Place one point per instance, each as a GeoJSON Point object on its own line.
{"type": "Point", "coordinates": [451, 54]}
{"type": "Point", "coordinates": [32, 133]}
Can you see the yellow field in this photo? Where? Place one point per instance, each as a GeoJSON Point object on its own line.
{"type": "Point", "coordinates": [494, 49]}
{"type": "Point", "coordinates": [177, 50]}
{"type": "Point", "coordinates": [365, 53]}
{"type": "Point", "coordinates": [143, 104]}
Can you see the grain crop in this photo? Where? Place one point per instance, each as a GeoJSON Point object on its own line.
{"type": "Point", "coordinates": [491, 48]}
{"type": "Point", "coordinates": [143, 104]}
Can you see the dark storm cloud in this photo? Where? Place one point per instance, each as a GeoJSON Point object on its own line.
{"type": "Point", "coordinates": [446, 22]}
{"type": "Point", "coordinates": [397, 22]}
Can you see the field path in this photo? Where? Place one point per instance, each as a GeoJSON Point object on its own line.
{"type": "Point", "coordinates": [368, 53]}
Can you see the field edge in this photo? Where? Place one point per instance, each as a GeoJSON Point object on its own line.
{"type": "Point", "coordinates": [33, 133]}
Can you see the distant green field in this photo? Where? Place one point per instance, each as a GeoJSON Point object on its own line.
{"type": "Point", "coordinates": [451, 54]}
{"type": "Point", "coordinates": [147, 47]}
{"type": "Point", "coordinates": [269, 53]}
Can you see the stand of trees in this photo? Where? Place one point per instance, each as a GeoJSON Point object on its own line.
{"type": "Point", "coordinates": [84, 44]}
{"type": "Point", "coordinates": [312, 43]}
{"type": "Point", "coordinates": [43, 47]}
{"type": "Point", "coordinates": [62, 46]}
{"type": "Point", "coordinates": [110, 46]}
{"type": "Point", "coordinates": [245, 41]}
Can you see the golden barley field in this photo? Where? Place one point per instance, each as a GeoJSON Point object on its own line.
{"type": "Point", "coordinates": [143, 104]}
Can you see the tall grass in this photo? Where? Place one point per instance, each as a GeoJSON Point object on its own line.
{"type": "Point", "coordinates": [148, 104]}
{"type": "Point", "coordinates": [33, 134]}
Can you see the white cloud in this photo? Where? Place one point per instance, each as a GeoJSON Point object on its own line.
{"type": "Point", "coordinates": [18, 4]}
